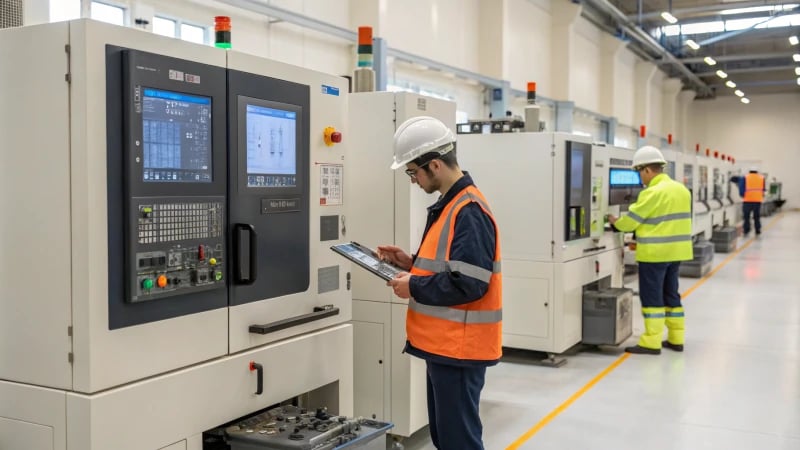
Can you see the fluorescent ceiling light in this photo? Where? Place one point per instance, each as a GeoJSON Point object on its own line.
{"type": "Point", "coordinates": [788, 7]}
{"type": "Point", "coordinates": [797, 71]}
{"type": "Point", "coordinates": [709, 60]}
{"type": "Point", "coordinates": [793, 40]}
{"type": "Point", "coordinates": [694, 45]}
{"type": "Point", "coordinates": [730, 84]}
{"type": "Point", "coordinates": [722, 74]}
{"type": "Point", "coordinates": [798, 81]}
{"type": "Point", "coordinates": [796, 57]}
{"type": "Point", "coordinates": [745, 100]}
{"type": "Point", "coordinates": [739, 93]}
{"type": "Point", "coordinates": [669, 17]}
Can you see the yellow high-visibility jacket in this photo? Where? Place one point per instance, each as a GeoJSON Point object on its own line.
{"type": "Point", "coordinates": [662, 221]}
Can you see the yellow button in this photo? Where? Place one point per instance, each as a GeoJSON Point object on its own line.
{"type": "Point", "coordinates": [213, 261]}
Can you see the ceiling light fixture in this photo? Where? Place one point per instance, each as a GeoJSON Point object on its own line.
{"type": "Point", "coordinates": [692, 44]}
{"type": "Point", "coordinates": [793, 40]}
{"type": "Point", "coordinates": [745, 100]}
{"type": "Point", "coordinates": [797, 71]}
{"type": "Point", "coordinates": [798, 81]}
{"type": "Point", "coordinates": [709, 60]}
{"type": "Point", "coordinates": [738, 93]}
{"type": "Point", "coordinates": [669, 17]}
{"type": "Point", "coordinates": [722, 74]}
{"type": "Point", "coordinates": [730, 84]}
{"type": "Point", "coordinates": [796, 57]}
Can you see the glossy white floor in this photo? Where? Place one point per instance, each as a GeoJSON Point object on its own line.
{"type": "Point", "coordinates": [737, 385]}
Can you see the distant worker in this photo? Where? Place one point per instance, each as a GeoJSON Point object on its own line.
{"type": "Point", "coordinates": [453, 284]}
{"type": "Point", "coordinates": [662, 221]}
{"type": "Point", "coordinates": [751, 188]}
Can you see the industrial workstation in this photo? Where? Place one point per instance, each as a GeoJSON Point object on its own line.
{"type": "Point", "coordinates": [399, 224]}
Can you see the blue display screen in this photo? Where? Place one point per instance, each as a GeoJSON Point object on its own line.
{"type": "Point", "coordinates": [176, 134]}
{"type": "Point", "coordinates": [271, 147]}
{"type": "Point", "coordinates": [624, 178]}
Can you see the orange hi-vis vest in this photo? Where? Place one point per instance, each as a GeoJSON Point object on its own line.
{"type": "Point", "coordinates": [753, 188]}
{"type": "Point", "coordinates": [472, 331]}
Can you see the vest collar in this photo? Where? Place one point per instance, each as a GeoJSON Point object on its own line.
{"type": "Point", "coordinates": [457, 187]}
{"type": "Point", "coordinates": [658, 179]}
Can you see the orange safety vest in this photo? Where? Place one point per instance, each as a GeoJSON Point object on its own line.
{"type": "Point", "coordinates": [472, 331]}
{"type": "Point", "coordinates": [753, 188]}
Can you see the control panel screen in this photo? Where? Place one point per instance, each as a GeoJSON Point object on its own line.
{"type": "Point", "coordinates": [271, 147]}
{"type": "Point", "coordinates": [624, 178]}
{"type": "Point", "coordinates": [176, 135]}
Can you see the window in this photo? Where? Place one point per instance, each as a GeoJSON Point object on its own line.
{"type": "Point", "coordinates": [105, 12]}
{"type": "Point", "coordinates": [164, 27]}
{"type": "Point", "coordinates": [193, 33]}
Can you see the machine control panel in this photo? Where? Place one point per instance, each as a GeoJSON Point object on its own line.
{"type": "Point", "coordinates": [179, 246]}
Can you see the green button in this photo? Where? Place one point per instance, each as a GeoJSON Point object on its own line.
{"type": "Point", "coordinates": [147, 284]}
{"type": "Point", "coordinates": [147, 209]}
{"type": "Point", "coordinates": [218, 275]}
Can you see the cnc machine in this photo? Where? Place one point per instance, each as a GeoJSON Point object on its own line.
{"type": "Point", "coordinates": [549, 194]}
{"type": "Point", "coordinates": [172, 212]}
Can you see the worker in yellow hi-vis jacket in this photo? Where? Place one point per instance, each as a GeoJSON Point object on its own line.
{"type": "Point", "coordinates": [662, 221]}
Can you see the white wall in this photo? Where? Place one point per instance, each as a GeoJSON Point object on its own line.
{"type": "Point", "coordinates": [527, 45]}
{"type": "Point", "coordinates": [584, 74]}
{"type": "Point", "coordinates": [766, 131]}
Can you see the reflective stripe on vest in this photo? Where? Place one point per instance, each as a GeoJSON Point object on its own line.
{"type": "Point", "coordinates": [662, 221]}
{"type": "Point", "coordinates": [470, 331]}
{"type": "Point", "coordinates": [753, 188]}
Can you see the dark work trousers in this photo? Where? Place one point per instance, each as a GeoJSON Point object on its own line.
{"type": "Point", "coordinates": [453, 397]}
{"type": "Point", "coordinates": [658, 285]}
{"type": "Point", "coordinates": [755, 208]}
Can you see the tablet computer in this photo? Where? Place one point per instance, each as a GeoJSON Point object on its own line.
{"type": "Point", "coordinates": [368, 259]}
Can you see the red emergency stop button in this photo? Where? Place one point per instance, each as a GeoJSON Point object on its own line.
{"type": "Point", "coordinates": [331, 136]}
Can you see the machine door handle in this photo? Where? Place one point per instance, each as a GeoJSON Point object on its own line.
{"type": "Point", "coordinates": [259, 376]}
{"type": "Point", "coordinates": [245, 242]}
{"type": "Point", "coordinates": [587, 250]}
{"type": "Point", "coordinates": [320, 312]}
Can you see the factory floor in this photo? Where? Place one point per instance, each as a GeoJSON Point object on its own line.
{"type": "Point", "coordinates": [736, 386]}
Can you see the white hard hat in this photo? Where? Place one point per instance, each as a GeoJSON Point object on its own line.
{"type": "Point", "coordinates": [753, 169]}
{"type": "Point", "coordinates": [648, 155]}
{"type": "Point", "coordinates": [418, 136]}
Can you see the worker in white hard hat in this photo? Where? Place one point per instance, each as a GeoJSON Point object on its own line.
{"type": "Point", "coordinates": [661, 218]}
{"type": "Point", "coordinates": [453, 284]}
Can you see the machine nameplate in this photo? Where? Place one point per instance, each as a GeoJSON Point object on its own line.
{"type": "Point", "coordinates": [279, 205]}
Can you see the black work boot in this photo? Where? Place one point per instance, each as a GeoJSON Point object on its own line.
{"type": "Point", "coordinates": [675, 347]}
{"type": "Point", "coordinates": [639, 350]}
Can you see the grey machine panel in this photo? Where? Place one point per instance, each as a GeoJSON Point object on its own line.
{"type": "Point", "coordinates": [269, 180]}
{"type": "Point", "coordinates": [166, 187]}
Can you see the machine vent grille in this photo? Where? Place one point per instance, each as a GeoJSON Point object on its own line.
{"type": "Point", "coordinates": [10, 13]}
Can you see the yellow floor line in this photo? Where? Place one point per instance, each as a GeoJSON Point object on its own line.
{"type": "Point", "coordinates": [561, 408]}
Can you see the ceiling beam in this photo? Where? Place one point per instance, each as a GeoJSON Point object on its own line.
{"type": "Point", "coordinates": [755, 84]}
{"type": "Point", "coordinates": [696, 10]}
{"type": "Point", "coordinates": [743, 56]}
{"type": "Point", "coordinates": [748, 70]}
{"type": "Point", "coordinates": [730, 34]}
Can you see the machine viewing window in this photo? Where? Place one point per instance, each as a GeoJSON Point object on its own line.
{"type": "Point", "coordinates": [176, 135]}
{"type": "Point", "coordinates": [271, 147]}
{"type": "Point", "coordinates": [624, 178]}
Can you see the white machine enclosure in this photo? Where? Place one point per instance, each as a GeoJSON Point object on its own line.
{"type": "Point", "coordinates": [524, 176]}
{"type": "Point", "coordinates": [385, 208]}
{"type": "Point", "coordinates": [67, 381]}
{"type": "Point", "coordinates": [696, 181]}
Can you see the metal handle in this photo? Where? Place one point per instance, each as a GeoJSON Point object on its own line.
{"type": "Point", "coordinates": [259, 376]}
{"type": "Point", "coordinates": [245, 269]}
